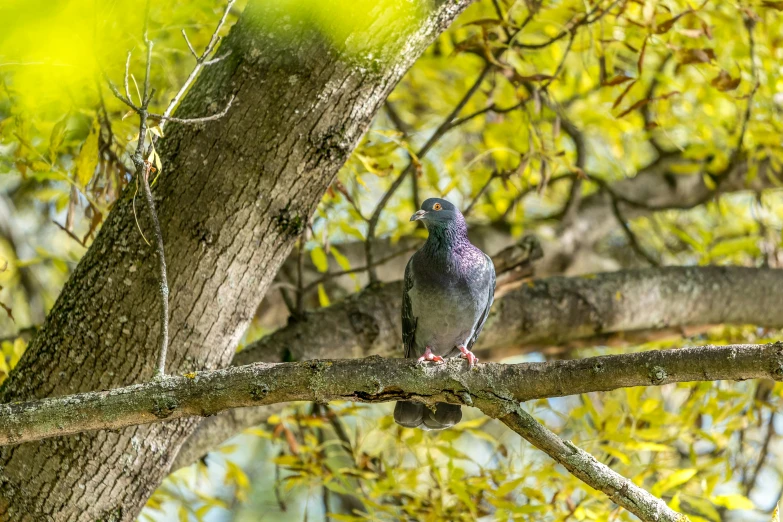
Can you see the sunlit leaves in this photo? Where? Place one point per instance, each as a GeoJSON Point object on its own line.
{"type": "Point", "coordinates": [319, 259]}
{"type": "Point", "coordinates": [87, 159]}
{"type": "Point", "coordinates": [677, 478]}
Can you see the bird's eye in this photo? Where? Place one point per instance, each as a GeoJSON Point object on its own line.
{"type": "Point", "coordinates": [436, 206]}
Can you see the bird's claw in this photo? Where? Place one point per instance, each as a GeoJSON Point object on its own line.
{"type": "Point", "coordinates": [467, 354]}
{"type": "Point", "coordinates": [429, 356]}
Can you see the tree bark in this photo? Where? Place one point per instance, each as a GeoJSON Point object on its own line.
{"type": "Point", "coordinates": [527, 314]}
{"type": "Point", "coordinates": [233, 196]}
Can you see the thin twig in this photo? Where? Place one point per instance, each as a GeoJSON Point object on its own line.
{"type": "Point", "coordinates": [633, 242]}
{"type": "Point", "coordinates": [140, 157]}
{"type": "Point", "coordinates": [444, 127]}
{"type": "Point", "coordinates": [572, 25]}
{"type": "Point", "coordinates": [402, 127]}
{"type": "Point", "coordinates": [484, 187]}
{"type": "Point", "coordinates": [560, 65]}
{"type": "Point", "coordinates": [300, 277]}
{"type": "Point", "coordinates": [118, 95]}
{"type": "Point", "coordinates": [332, 275]}
{"type": "Point", "coordinates": [534, 188]}
{"type": "Point", "coordinates": [750, 23]}
{"type": "Point", "coordinates": [127, 75]}
{"type": "Point", "coordinates": [201, 61]}
{"type": "Point", "coordinates": [190, 46]}
{"type": "Point", "coordinates": [164, 117]}
{"type": "Point", "coordinates": [751, 482]}
{"type": "Point", "coordinates": [164, 284]}
{"type": "Point", "coordinates": [489, 108]}
{"type": "Point", "coordinates": [646, 109]}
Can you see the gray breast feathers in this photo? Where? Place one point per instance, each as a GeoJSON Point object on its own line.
{"type": "Point", "coordinates": [445, 307]}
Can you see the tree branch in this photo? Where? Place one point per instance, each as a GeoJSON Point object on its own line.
{"type": "Point", "coordinates": [376, 379]}
{"type": "Point", "coordinates": [543, 312]}
{"type": "Point", "coordinates": [495, 388]}
{"type": "Point", "coordinates": [527, 315]}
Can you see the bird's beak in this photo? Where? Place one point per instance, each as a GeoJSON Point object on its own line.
{"type": "Point", "coordinates": [418, 215]}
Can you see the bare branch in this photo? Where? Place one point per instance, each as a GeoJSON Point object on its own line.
{"type": "Point", "coordinates": [496, 389]}
{"type": "Point", "coordinates": [164, 284]}
{"type": "Point", "coordinates": [403, 128]}
{"type": "Point", "coordinates": [190, 46]}
{"type": "Point", "coordinates": [376, 379]}
{"type": "Point", "coordinates": [164, 117]}
{"type": "Point", "coordinates": [560, 65]}
{"type": "Point", "coordinates": [749, 481]}
{"type": "Point", "coordinates": [632, 240]}
{"type": "Point", "coordinates": [332, 275]}
{"type": "Point", "coordinates": [201, 61]}
{"type": "Point", "coordinates": [218, 58]}
{"type": "Point", "coordinates": [127, 75]}
{"type": "Point", "coordinates": [113, 88]}
{"type": "Point", "coordinates": [484, 187]}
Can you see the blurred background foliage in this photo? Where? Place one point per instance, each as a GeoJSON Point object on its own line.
{"type": "Point", "coordinates": [521, 113]}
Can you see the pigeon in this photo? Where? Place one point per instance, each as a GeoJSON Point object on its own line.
{"type": "Point", "coordinates": [447, 294]}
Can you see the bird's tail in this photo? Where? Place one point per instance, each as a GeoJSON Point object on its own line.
{"type": "Point", "coordinates": [417, 415]}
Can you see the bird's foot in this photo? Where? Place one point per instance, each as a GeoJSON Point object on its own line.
{"type": "Point", "coordinates": [429, 356]}
{"type": "Point", "coordinates": [467, 354]}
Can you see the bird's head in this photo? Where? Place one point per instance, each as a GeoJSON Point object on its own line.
{"type": "Point", "coordinates": [437, 213]}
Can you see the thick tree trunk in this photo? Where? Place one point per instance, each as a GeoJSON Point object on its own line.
{"type": "Point", "coordinates": [233, 196]}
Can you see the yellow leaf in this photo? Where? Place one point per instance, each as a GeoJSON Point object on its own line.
{"type": "Point", "coordinates": [733, 501]}
{"type": "Point", "coordinates": [40, 166]}
{"type": "Point", "coordinates": [343, 261]}
{"type": "Point", "coordinates": [509, 486]}
{"type": "Point", "coordinates": [88, 156]}
{"type": "Point", "coordinates": [322, 297]}
{"type": "Point", "coordinates": [616, 453]}
{"type": "Point", "coordinates": [677, 478]}
{"type": "Point", "coordinates": [319, 259]}
{"type": "Point", "coordinates": [776, 513]}
{"type": "Point", "coordinates": [203, 510]}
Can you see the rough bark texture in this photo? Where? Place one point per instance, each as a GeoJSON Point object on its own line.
{"type": "Point", "coordinates": [527, 313]}
{"type": "Point", "coordinates": [375, 379]}
{"type": "Point", "coordinates": [233, 196]}
{"type": "Point", "coordinates": [541, 311]}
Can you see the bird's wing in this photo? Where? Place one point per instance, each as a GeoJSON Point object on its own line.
{"type": "Point", "coordinates": [483, 318]}
{"type": "Point", "coordinates": [408, 321]}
